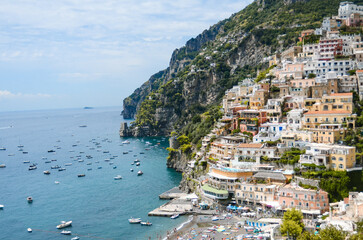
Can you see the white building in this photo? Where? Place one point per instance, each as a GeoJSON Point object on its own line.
{"type": "Point", "coordinates": [347, 8]}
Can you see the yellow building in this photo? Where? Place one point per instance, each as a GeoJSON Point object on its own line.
{"type": "Point", "coordinates": [342, 157]}
{"type": "Point", "coordinates": [313, 119]}
{"type": "Point", "coordinates": [335, 102]}
{"type": "Point", "coordinates": [328, 133]}
{"type": "Point", "coordinates": [259, 99]}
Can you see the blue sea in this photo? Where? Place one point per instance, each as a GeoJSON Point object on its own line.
{"type": "Point", "coordinates": [98, 205]}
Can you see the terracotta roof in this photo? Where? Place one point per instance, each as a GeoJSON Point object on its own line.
{"type": "Point", "coordinates": [341, 94]}
{"type": "Point", "coordinates": [359, 71]}
{"type": "Point", "coordinates": [327, 112]}
{"type": "Point", "coordinates": [250, 145]}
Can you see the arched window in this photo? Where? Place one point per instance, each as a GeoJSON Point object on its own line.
{"type": "Point", "coordinates": [333, 158]}
{"type": "Point", "coordinates": [340, 159]}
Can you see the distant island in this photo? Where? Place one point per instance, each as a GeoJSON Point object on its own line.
{"type": "Point", "coordinates": [88, 108]}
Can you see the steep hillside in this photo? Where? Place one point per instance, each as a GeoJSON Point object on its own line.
{"type": "Point", "coordinates": [184, 97]}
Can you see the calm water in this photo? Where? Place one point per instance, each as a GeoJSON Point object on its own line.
{"type": "Point", "coordinates": [98, 205]}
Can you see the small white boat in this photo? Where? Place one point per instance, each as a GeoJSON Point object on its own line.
{"type": "Point", "coordinates": [46, 172]}
{"type": "Point", "coordinates": [75, 238]}
{"type": "Point", "coordinates": [139, 173]}
{"type": "Point", "coordinates": [68, 164]}
{"type": "Point", "coordinates": [126, 142]}
{"type": "Point", "coordinates": [215, 218]}
{"type": "Point", "coordinates": [2, 166]}
{"type": "Point", "coordinates": [56, 182]}
{"type": "Point", "coordinates": [29, 199]}
{"type": "Point", "coordinates": [66, 232]}
{"type": "Point", "coordinates": [146, 223]}
{"type": "Point", "coordinates": [135, 220]}
{"type": "Point", "coordinates": [1, 207]}
{"type": "Point", "coordinates": [29, 230]}
{"type": "Point", "coordinates": [2, 149]}
{"type": "Point", "coordinates": [137, 164]}
{"type": "Point", "coordinates": [64, 224]}
{"type": "Point", "coordinates": [174, 216]}
{"type": "Point", "coordinates": [118, 177]}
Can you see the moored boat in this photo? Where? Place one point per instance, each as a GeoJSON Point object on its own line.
{"type": "Point", "coordinates": [29, 199]}
{"type": "Point", "coordinates": [29, 230]}
{"type": "Point", "coordinates": [139, 173]}
{"type": "Point", "coordinates": [118, 177]}
{"type": "Point", "coordinates": [81, 175]}
{"type": "Point", "coordinates": [1, 207]}
{"type": "Point", "coordinates": [174, 216]}
{"type": "Point", "coordinates": [135, 220]}
{"type": "Point", "coordinates": [2, 166]}
{"type": "Point", "coordinates": [146, 223]}
{"type": "Point", "coordinates": [75, 238]}
{"type": "Point", "coordinates": [46, 172]}
{"type": "Point", "coordinates": [66, 232]}
{"type": "Point", "coordinates": [64, 224]}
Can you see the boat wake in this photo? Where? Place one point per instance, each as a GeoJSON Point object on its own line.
{"type": "Point", "coordinates": [3, 128]}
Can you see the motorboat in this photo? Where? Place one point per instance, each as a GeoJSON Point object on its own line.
{"type": "Point", "coordinates": [89, 169]}
{"type": "Point", "coordinates": [146, 223]}
{"type": "Point", "coordinates": [29, 230]}
{"type": "Point", "coordinates": [55, 167]}
{"type": "Point", "coordinates": [64, 224]}
{"type": "Point", "coordinates": [66, 232]}
{"type": "Point", "coordinates": [2, 166]}
{"type": "Point", "coordinates": [106, 151]}
{"type": "Point", "coordinates": [118, 177]}
{"type": "Point", "coordinates": [68, 164]}
{"type": "Point", "coordinates": [75, 238]}
{"type": "Point", "coordinates": [174, 216]}
{"type": "Point", "coordinates": [215, 218]}
{"type": "Point", "coordinates": [47, 161]}
{"type": "Point", "coordinates": [131, 170]}
{"type": "Point", "coordinates": [136, 160]}
{"type": "Point", "coordinates": [56, 182]}
{"type": "Point", "coordinates": [126, 142]}
{"type": "Point", "coordinates": [125, 152]}
{"type": "Point", "coordinates": [114, 167]}
{"type": "Point", "coordinates": [139, 173]}
{"type": "Point", "coordinates": [81, 175]}
{"type": "Point", "coordinates": [138, 164]}
{"type": "Point", "coordinates": [61, 169]}
{"type": "Point", "coordinates": [51, 151]}
{"type": "Point", "coordinates": [81, 160]}
{"type": "Point", "coordinates": [135, 220]}
{"type": "Point", "coordinates": [99, 168]}
{"type": "Point", "coordinates": [1, 207]}
{"type": "Point", "coordinates": [32, 167]}
{"type": "Point", "coordinates": [2, 149]}
{"type": "Point", "coordinates": [26, 162]}
{"type": "Point", "coordinates": [46, 172]}
{"type": "Point", "coordinates": [83, 126]}
{"type": "Point", "coordinates": [25, 152]}
{"type": "Point", "coordinates": [29, 199]}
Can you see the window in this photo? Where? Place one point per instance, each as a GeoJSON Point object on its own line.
{"type": "Point", "coordinates": [307, 204]}
{"type": "Point", "coordinates": [292, 203]}
{"type": "Point", "coordinates": [341, 166]}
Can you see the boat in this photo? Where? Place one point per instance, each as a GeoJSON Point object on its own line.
{"type": "Point", "coordinates": [215, 218]}
{"type": "Point", "coordinates": [106, 151]}
{"type": "Point", "coordinates": [125, 152]}
{"type": "Point", "coordinates": [2, 149]}
{"type": "Point", "coordinates": [68, 164]}
{"type": "Point", "coordinates": [2, 166]}
{"type": "Point", "coordinates": [142, 153]}
{"type": "Point", "coordinates": [46, 172]}
{"type": "Point", "coordinates": [25, 152]}
{"type": "Point", "coordinates": [75, 238]}
{"type": "Point", "coordinates": [11, 155]}
{"type": "Point", "coordinates": [50, 151]}
{"type": "Point", "coordinates": [139, 173]}
{"type": "Point", "coordinates": [29, 230]}
{"type": "Point", "coordinates": [20, 146]}
{"type": "Point", "coordinates": [99, 168]}
{"type": "Point", "coordinates": [56, 182]}
{"type": "Point", "coordinates": [61, 169]}
{"type": "Point", "coordinates": [137, 164]}
{"type": "Point", "coordinates": [89, 163]}
{"type": "Point", "coordinates": [55, 167]}
{"type": "Point", "coordinates": [136, 160]}
{"type": "Point", "coordinates": [174, 216]}
{"type": "Point", "coordinates": [81, 175]}
{"type": "Point", "coordinates": [135, 220]}
{"type": "Point", "coordinates": [146, 223]}
{"type": "Point", "coordinates": [47, 161]}
{"type": "Point", "coordinates": [64, 224]}
{"type": "Point", "coordinates": [66, 232]}
{"type": "Point", "coordinates": [81, 160]}
{"type": "Point", "coordinates": [26, 162]}
{"type": "Point", "coordinates": [29, 199]}
{"type": "Point", "coordinates": [32, 167]}
{"type": "Point", "coordinates": [126, 142]}
{"type": "Point", "coordinates": [118, 177]}
{"type": "Point", "coordinates": [89, 169]}
{"type": "Point", "coordinates": [83, 126]}
{"type": "Point", "coordinates": [114, 167]}
{"type": "Point", "coordinates": [131, 170]}
{"type": "Point", "coordinates": [1, 207]}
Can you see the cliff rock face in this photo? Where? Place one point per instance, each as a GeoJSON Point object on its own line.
{"type": "Point", "coordinates": [180, 58]}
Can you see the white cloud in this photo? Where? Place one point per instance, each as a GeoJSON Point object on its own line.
{"type": "Point", "coordinates": [5, 94]}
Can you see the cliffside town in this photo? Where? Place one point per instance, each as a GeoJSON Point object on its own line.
{"type": "Point", "coordinates": [285, 138]}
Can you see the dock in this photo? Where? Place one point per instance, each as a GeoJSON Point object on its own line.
{"type": "Point", "coordinates": [172, 193]}
{"type": "Point", "coordinates": [179, 206]}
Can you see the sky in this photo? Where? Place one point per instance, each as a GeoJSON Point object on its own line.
{"type": "Point", "coordinates": [76, 53]}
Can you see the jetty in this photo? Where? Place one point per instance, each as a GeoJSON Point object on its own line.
{"type": "Point", "coordinates": [172, 193]}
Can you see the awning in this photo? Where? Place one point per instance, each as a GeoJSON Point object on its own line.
{"type": "Point", "coordinates": [208, 188]}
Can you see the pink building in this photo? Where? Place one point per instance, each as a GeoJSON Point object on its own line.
{"type": "Point", "coordinates": [306, 200]}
